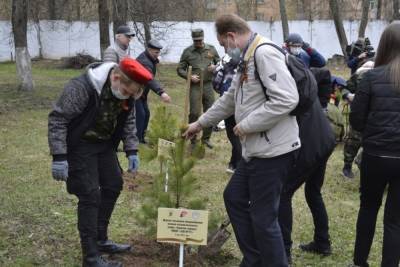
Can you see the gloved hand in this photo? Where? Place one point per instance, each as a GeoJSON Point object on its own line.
{"type": "Point", "coordinates": [59, 170]}
{"type": "Point", "coordinates": [305, 46]}
{"type": "Point", "coordinates": [133, 163]}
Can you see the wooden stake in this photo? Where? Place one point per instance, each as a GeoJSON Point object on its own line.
{"type": "Point", "coordinates": [201, 90]}
{"type": "Point", "coordinates": [188, 84]}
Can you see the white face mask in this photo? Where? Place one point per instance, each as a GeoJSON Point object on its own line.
{"type": "Point", "coordinates": [117, 93]}
{"type": "Point", "coordinates": [295, 50]}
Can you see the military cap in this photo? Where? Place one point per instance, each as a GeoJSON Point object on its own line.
{"type": "Point", "coordinates": [135, 71]}
{"type": "Point", "coordinates": [154, 44]}
{"type": "Point", "coordinates": [197, 34]}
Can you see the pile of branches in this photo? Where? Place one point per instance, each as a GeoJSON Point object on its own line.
{"type": "Point", "coordinates": [79, 61]}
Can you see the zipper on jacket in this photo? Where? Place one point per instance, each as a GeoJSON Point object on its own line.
{"type": "Point", "coordinates": [264, 134]}
{"type": "Point", "coordinates": [241, 98]}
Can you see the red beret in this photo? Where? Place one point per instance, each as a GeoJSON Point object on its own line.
{"type": "Point", "coordinates": [135, 71]}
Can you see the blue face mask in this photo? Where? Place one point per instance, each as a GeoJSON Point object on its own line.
{"type": "Point", "coordinates": [117, 93]}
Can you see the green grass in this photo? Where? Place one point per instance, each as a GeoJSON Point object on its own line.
{"type": "Point", "coordinates": [38, 217]}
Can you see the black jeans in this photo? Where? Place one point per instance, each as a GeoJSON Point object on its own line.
{"type": "Point", "coordinates": [312, 190]}
{"type": "Point", "coordinates": [252, 203]}
{"type": "Point", "coordinates": [95, 178]}
{"type": "Point", "coordinates": [376, 174]}
{"type": "Point", "coordinates": [236, 154]}
{"type": "Point", "coordinates": [142, 118]}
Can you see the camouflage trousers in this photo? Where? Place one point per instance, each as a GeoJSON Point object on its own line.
{"type": "Point", "coordinates": [351, 146]}
{"type": "Point", "coordinates": [198, 100]}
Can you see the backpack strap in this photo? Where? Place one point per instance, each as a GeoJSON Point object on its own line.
{"type": "Point", "coordinates": [256, 74]}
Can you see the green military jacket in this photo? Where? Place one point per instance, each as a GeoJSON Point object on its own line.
{"type": "Point", "coordinates": [199, 59]}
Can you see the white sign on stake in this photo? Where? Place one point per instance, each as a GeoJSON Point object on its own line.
{"type": "Point", "coordinates": [182, 226]}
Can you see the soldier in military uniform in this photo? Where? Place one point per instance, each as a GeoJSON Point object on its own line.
{"type": "Point", "coordinates": [93, 114]}
{"type": "Point", "coordinates": [202, 57]}
{"type": "Point", "coordinates": [353, 141]}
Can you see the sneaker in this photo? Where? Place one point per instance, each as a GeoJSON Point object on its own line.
{"type": "Point", "coordinates": [348, 173]}
{"type": "Point", "coordinates": [314, 248]}
{"type": "Point", "coordinates": [230, 169]}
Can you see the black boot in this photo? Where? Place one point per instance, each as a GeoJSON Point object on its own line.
{"type": "Point", "coordinates": [313, 247]}
{"type": "Point", "coordinates": [111, 247]}
{"type": "Point", "coordinates": [108, 246]}
{"type": "Point", "coordinates": [108, 199]}
{"type": "Point", "coordinates": [91, 257]}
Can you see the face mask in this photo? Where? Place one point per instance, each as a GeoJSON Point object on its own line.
{"type": "Point", "coordinates": [118, 94]}
{"type": "Point", "coordinates": [295, 50]}
{"type": "Point", "coordinates": [234, 53]}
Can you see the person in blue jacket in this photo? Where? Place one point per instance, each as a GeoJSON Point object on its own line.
{"type": "Point", "coordinates": [295, 45]}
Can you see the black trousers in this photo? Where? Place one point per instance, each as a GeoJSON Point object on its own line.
{"type": "Point", "coordinates": [252, 203]}
{"type": "Point", "coordinates": [376, 174]}
{"type": "Point", "coordinates": [142, 118]}
{"type": "Point", "coordinates": [95, 178]}
{"type": "Point", "coordinates": [312, 190]}
{"type": "Point", "coordinates": [236, 153]}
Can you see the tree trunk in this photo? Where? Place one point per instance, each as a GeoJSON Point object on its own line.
{"type": "Point", "coordinates": [364, 18]}
{"type": "Point", "coordinates": [52, 9]}
{"type": "Point", "coordinates": [78, 9]}
{"type": "Point", "coordinates": [334, 7]}
{"type": "Point", "coordinates": [147, 32]}
{"type": "Point", "coordinates": [396, 14]}
{"type": "Point", "coordinates": [23, 60]}
{"type": "Point", "coordinates": [120, 13]}
{"type": "Point", "coordinates": [284, 19]}
{"type": "Point", "coordinates": [104, 21]}
{"type": "Point", "coordinates": [379, 9]}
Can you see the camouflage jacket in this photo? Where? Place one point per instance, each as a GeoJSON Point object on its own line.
{"type": "Point", "coordinates": [77, 111]}
{"type": "Point", "coordinates": [199, 59]}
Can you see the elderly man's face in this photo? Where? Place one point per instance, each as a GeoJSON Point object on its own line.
{"type": "Point", "coordinates": [154, 53]}
{"type": "Point", "coordinates": [198, 43]}
{"type": "Point", "coordinates": [124, 39]}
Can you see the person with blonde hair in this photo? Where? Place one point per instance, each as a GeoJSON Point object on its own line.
{"type": "Point", "coordinates": [375, 112]}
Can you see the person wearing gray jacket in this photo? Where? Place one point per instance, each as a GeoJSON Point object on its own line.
{"type": "Point", "coordinates": [120, 48]}
{"type": "Point", "coordinates": [269, 137]}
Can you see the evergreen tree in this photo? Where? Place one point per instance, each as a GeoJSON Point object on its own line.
{"type": "Point", "coordinates": [178, 166]}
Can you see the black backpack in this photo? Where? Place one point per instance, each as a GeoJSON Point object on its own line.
{"type": "Point", "coordinates": [305, 81]}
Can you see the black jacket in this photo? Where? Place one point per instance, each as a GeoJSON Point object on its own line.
{"type": "Point", "coordinates": [323, 78]}
{"type": "Point", "coordinates": [147, 61]}
{"type": "Point", "coordinates": [375, 112]}
{"type": "Point", "coordinates": [317, 140]}
{"type": "Point", "coordinates": [75, 112]}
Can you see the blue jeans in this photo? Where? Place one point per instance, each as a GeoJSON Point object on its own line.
{"type": "Point", "coordinates": [252, 203]}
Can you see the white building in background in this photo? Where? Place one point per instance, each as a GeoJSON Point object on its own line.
{"type": "Point", "coordinates": [62, 39]}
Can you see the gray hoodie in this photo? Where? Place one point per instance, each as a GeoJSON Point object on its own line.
{"type": "Point", "coordinates": [269, 129]}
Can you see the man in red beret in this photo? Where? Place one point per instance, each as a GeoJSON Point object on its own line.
{"type": "Point", "coordinates": [93, 114]}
